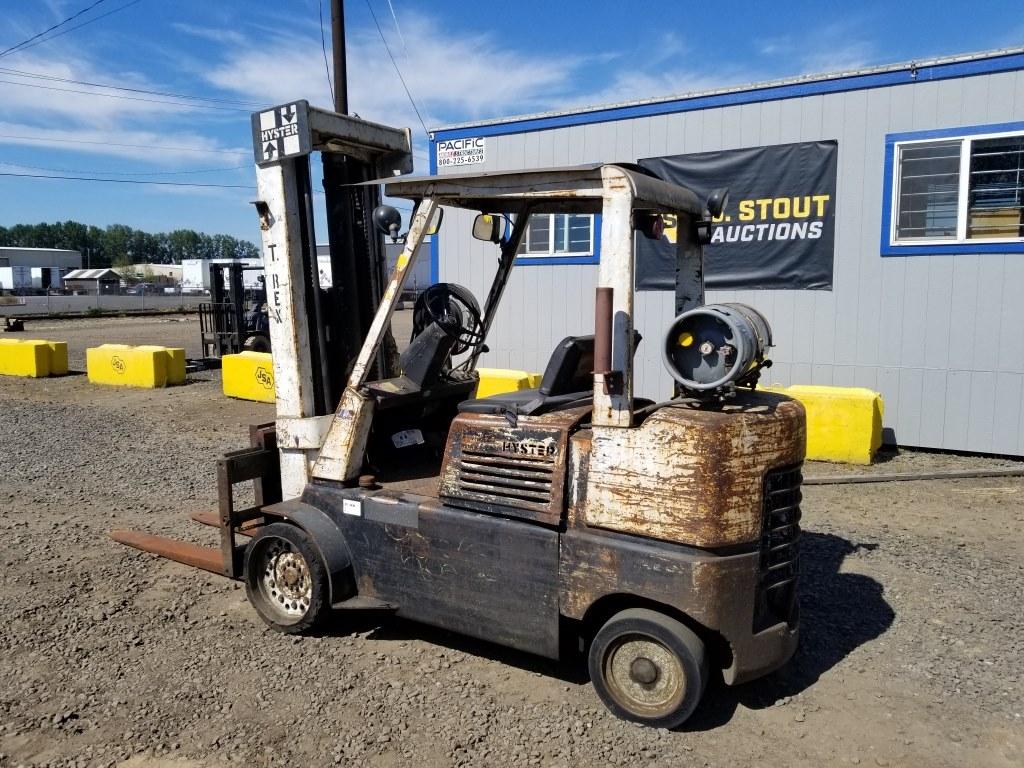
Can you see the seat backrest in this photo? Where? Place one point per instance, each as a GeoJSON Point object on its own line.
{"type": "Point", "coordinates": [571, 366]}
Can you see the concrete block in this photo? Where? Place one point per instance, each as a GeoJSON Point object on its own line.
{"type": "Point", "coordinates": [495, 381]}
{"type": "Point", "coordinates": [20, 357]}
{"type": "Point", "coordinates": [249, 376]}
{"type": "Point", "coordinates": [148, 367]}
{"type": "Point", "coordinates": [844, 424]}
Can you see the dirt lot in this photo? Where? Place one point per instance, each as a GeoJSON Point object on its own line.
{"type": "Point", "coordinates": [912, 651]}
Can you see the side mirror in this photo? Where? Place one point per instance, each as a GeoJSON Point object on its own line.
{"type": "Point", "coordinates": [652, 225]}
{"type": "Point", "coordinates": [489, 226]}
{"type": "Point", "coordinates": [435, 222]}
{"type": "Point", "coordinates": [388, 221]}
{"type": "Point", "coordinates": [717, 201]}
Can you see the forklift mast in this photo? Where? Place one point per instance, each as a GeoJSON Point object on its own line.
{"type": "Point", "coordinates": [316, 333]}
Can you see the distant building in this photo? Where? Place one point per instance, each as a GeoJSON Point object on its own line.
{"type": "Point", "coordinates": [93, 281]}
{"type": "Point", "coordinates": [35, 269]}
{"type": "Point", "coordinates": [195, 273]}
{"type": "Point", "coordinates": [418, 279]}
{"type": "Point", "coordinates": [163, 275]}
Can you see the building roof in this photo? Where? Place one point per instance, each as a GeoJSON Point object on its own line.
{"type": "Point", "coordinates": [40, 250]}
{"type": "Point", "coordinates": [961, 65]}
{"type": "Point", "coordinates": [92, 274]}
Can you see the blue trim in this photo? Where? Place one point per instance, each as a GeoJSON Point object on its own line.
{"type": "Point", "coordinates": [595, 258]}
{"type": "Point", "coordinates": [534, 261]}
{"type": "Point", "coordinates": [435, 241]}
{"type": "Point", "coordinates": [886, 248]}
{"type": "Point", "coordinates": [1005, 63]}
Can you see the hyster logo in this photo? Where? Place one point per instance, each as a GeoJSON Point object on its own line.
{"type": "Point", "coordinates": [265, 377]}
{"type": "Point", "coordinates": [529, 447]}
{"type": "Point", "coordinates": [118, 365]}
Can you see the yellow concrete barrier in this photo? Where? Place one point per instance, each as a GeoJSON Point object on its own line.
{"type": "Point", "coordinates": [249, 376]}
{"type": "Point", "coordinates": [495, 381]}
{"type": "Point", "coordinates": [843, 423]}
{"type": "Point", "coordinates": [33, 357]}
{"type": "Point", "coordinates": [148, 367]}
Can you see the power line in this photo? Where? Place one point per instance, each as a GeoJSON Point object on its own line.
{"type": "Point", "coordinates": [126, 181]}
{"type": "Point", "coordinates": [130, 146]}
{"type": "Point", "coordinates": [323, 47]}
{"type": "Point", "coordinates": [124, 173]}
{"type": "Point", "coordinates": [72, 29]}
{"type": "Point", "coordinates": [399, 71]}
{"type": "Point", "coordinates": [124, 98]}
{"type": "Point", "coordinates": [55, 26]}
{"type": "Point", "coordinates": [55, 78]}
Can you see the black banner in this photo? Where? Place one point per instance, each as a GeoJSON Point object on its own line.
{"type": "Point", "coordinates": [778, 228]}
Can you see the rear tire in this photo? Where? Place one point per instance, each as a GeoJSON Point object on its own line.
{"type": "Point", "coordinates": [648, 668]}
{"type": "Point", "coordinates": [285, 579]}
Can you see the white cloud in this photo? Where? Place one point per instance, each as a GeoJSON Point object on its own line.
{"type": "Point", "coordinates": [147, 145]}
{"type": "Point", "coordinates": [213, 34]}
{"type": "Point", "coordinates": [41, 98]}
{"type": "Point", "coordinates": [452, 78]}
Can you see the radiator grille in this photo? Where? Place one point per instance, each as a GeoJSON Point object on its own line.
{"type": "Point", "coordinates": [780, 554]}
{"type": "Point", "coordinates": [519, 481]}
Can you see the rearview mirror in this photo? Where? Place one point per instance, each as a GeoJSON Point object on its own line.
{"type": "Point", "coordinates": [717, 201]}
{"type": "Point", "coordinates": [388, 221]}
{"type": "Point", "coordinates": [488, 226]}
{"type": "Point", "coordinates": [435, 222]}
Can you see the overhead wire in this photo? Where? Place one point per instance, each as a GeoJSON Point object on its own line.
{"type": "Point", "coordinates": [129, 146]}
{"type": "Point", "coordinates": [398, 70]}
{"type": "Point", "coordinates": [127, 181]}
{"type": "Point", "coordinates": [25, 47]}
{"type": "Point", "coordinates": [127, 89]}
{"type": "Point", "coordinates": [125, 98]}
{"type": "Point", "coordinates": [55, 26]}
{"type": "Point", "coordinates": [323, 47]}
{"type": "Point", "coordinates": [124, 173]}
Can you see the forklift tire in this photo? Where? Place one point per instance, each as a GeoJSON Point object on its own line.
{"type": "Point", "coordinates": [285, 579]}
{"type": "Point", "coordinates": [648, 668]}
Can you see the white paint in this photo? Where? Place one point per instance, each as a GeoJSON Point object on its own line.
{"type": "Point", "coordinates": [454, 152]}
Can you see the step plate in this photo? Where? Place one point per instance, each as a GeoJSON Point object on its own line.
{"type": "Point", "coordinates": [207, 558]}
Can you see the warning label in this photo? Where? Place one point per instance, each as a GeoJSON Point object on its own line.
{"type": "Point", "coordinates": [461, 152]}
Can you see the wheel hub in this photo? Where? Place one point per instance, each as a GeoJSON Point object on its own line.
{"type": "Point", "coordinates": [643, 671]}
{"type": "Point", "coordinates": [285, 580]}
{"type": "Point", "coordinates": [644, 675]}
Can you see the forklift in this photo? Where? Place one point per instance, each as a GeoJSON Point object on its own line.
{"type": "Point", "coordinates": [235, 319]}
{"type": "Point", "coordinates": [659, 538]}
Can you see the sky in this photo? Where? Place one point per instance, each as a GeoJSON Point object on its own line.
{"type": "Point", "coordinates": [461, 61]}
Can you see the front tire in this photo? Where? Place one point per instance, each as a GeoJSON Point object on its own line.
{"type": "Point", "coordinates": [285, 579]}
{"type": "Point", "coordinates": [648, 668]}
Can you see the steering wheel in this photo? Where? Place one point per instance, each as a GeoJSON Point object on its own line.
{"type": "Point", "coordinates": [455, 311]}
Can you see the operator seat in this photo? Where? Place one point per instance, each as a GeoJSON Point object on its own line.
{"type": "Point", "coordinates": [567, 382]}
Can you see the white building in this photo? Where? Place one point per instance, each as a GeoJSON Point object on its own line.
{"type": "Point", "coordinates": [35, 269]}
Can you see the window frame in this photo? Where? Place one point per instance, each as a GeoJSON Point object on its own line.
{"type": "Point", "coordinates": [890, 246]}
{"type": "Point", "coordinates": [592, 256]}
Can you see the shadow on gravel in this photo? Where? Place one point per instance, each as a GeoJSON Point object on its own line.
{"type": "Point", "coordinates": [838, 613]}
{"type": "Point", "coordinates": [383, 626]}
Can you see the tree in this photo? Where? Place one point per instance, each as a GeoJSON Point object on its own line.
{"type": "Point", "coordinates": [123, 245]}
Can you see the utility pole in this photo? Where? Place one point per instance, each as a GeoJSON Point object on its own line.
{"type": "Point", "coordinates": [358, 266]}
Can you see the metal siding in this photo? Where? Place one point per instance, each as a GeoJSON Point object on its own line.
{"type": "Point", "coordinates": [938, 336]}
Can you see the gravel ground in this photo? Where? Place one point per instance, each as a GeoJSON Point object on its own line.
{"type": "Point", "coordinates": [912, 651]}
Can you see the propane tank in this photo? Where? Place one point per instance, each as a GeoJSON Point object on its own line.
{"type": "Point", "coordinates": [717, 345]}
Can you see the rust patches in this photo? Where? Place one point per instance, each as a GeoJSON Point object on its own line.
{"type": "Point", "coordinates": [691, 475]}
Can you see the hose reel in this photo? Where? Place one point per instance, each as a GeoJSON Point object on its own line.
{"type": "Point", "coordinates": [713, 349]}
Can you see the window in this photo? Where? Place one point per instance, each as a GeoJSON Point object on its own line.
{"type": "Point", "coordinates": [966, 189]}
{"type": "Point", "coordinates": [558, 234]}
